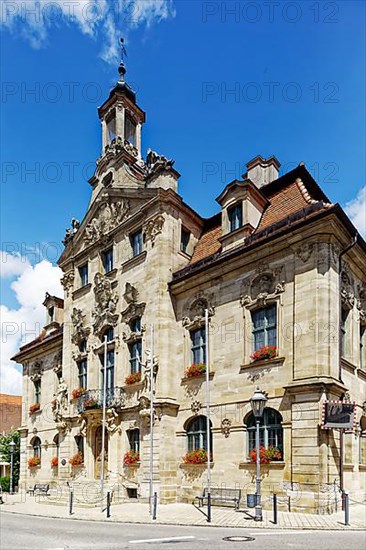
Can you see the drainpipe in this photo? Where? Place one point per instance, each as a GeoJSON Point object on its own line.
{"type": "Point", "coordinates": [343, 252]}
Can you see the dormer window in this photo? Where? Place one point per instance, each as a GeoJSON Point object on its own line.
{"type": "Point", "coordinates": [111, 129]}
{"type": "Point", "coordinates": [51, 314]}
{"type": "Point", "coordinates": [130, 130]}
{"type": "Point", "coordinates": [235, 215]}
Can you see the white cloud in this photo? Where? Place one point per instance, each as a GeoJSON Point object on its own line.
{"type": "Point", "coordinates": [21, 325]}
{"type": "Point", "coordinates": [356, 210]}
{"type": "Point", "coordinates": [34, 19]}
{"type": "Point", "coordinates": [12, 264]}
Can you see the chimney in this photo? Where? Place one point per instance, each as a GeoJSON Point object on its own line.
{"type": "Point", "coordinates": [262, 171]}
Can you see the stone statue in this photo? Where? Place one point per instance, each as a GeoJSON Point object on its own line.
{"type": "Point", "coordinates": [61, 399]}
{"type": "Point", "coordinates": [147, 366]}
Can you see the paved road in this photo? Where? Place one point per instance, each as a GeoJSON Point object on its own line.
{"type": "Point", "coordinates": [23, 532]}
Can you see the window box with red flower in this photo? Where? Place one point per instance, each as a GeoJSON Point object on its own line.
{"type": "Point", "coordinates": [131, 458]}
{"type": "Point", "coordinates": [53, 404]}
{"type": "Point", "coordinates": [198, 456]}
{"type": "Point", "coordinates": [34, 408]}
{"type": "Point", "coordinates": [266, 353]}
{"type": "Point", "coordinates": [195, 370]}
{"type": "Point", "coordinates": [77, 460]}
{"type": "Point", "coordinates": [133, 378]}
{"type": "Point", "coordinates": [91, 404]}
{"type": "Point", "coordinates": [54, 462]}
{"type": "Point", "coordinates": [266, 455]}
{"type": "Point", "coordinates": [34, 462]}
{"type": "Point", "coordinates": [78, 392]}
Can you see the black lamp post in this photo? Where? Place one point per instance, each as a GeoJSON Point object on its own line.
{"type": "Point", "coordinates": [12, 447]}
{"type": "Point", "coordinates": [258, 402]}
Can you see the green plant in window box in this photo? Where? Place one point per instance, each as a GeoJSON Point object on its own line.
{"type": "Point", "coordinates": [91, 404]}
{"type": "Point", "coordinates": [194, 370]}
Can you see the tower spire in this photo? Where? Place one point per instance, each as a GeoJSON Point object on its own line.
{"type": "Point", "coordinates": [122, 67]}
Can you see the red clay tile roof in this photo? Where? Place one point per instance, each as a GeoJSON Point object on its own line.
{"type": "Point", "coordinates": [39, 341]}
{"type": "Point", "coordinates": [288, 194]}
{"type": "Point", "coordinates": [10, 399]}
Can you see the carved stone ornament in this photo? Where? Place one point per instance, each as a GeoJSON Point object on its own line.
{"type": "Point", "coordinates": [83, 426]}
{"type": "Point", "coordinates": [130, 294]}
{"type": "Point", "coordinates": [57, 365]}
{"type": "Point", "coordinates": [61, 401]}
{"type": "Point", "coordinates": [116, 146]}
{"type": "Point", "coordinates": [70, 232]}
{"type": "Point", "coordinates": [106, 301]}
{"type": "Point", "coordinates": [67, 281]}
{"type": "Point", "coordinates": [305, 251]}
{"type": "Point", "coordinates": [109, 215]}
{"type": "Point", "coordinates": [225, 426]}
{"type": "Point", "coordinates": [262, 287]}
{"type": "Point", "coordinates": [144, 408]}
{"type": "Point", "coordinates": [112, 421]}
{"type": "Point", "coordinates": [347, 293]}
{"type": "Point", "coordinates": [36, 371]}
{"type": "Point", "coordinates": [156, 164]}
{"type": "Point", "coordinates": [196, 406]}
{"type": "Point", "coordinates": [133, 310]}
{"type": "Point", "coordinates": [80, 332]}
{"type": "Point", "coordinates": [153, 228]}
{"type": "Point", "coordinates": [195, 317]}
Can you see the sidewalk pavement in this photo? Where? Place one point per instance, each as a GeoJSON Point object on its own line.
{"type": "Point", "coordinates": [186, 514]}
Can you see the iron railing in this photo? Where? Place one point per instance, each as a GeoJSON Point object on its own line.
{"type": "Point", "coordinates": [93, 399]}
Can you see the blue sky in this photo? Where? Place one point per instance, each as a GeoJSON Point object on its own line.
{"type": "Point", "coordinates": [295, 70]}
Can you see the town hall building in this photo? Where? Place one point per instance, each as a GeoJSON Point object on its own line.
{"type": "Point", "coordinates": [281, 271]}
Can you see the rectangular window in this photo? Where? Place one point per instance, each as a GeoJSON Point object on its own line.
{"type": "Point", "coordinates": [135, 350]}
{"type": "Point", "coordinates": [235, 214]}
{"type": "Point", "coordinates": [109, 370]}
{"type": "Point", "coordinates": [198, 345]}
{"type": "Point", "coordinates": [343, 331]}
{"type": "Point", "coordinates": [134, 440]}
{"type": "Point", "coordinates": [184, 240]}
{"type": "Point", "coordinates": [135, 324]}
{"type": "Point", "coordinates": [83, 273]}
{"type": "Point", "coordinates": [83, 374]}
{"type": "Point", "coordinates": [136, 243]}
{"type": "Point", "coordinates": [37, 391]}
{"type": "Point", "coordinates": [130, 131]}
{"type": "Point", "coordinates": [108, 260]}
{"type": "Point", "coordinates": [265, 327]}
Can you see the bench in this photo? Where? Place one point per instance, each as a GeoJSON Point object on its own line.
{"type": "Point", "coordinates": [40, 488]}
{"type": "Point", "coordinates": [222, 495]}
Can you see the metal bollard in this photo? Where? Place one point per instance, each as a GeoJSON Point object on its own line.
{"type": "Point", "coordinates": [71, 500]}
{"type": "Point", "coordinates": [346, 508]}
{"type": "Point", "coordinates": [209, 507]}
{"type": "Point", "coordinates": [155, 504]}
{"type": "Point", "coordinates": [108, 504]}
{"type": "Point", "coordinates": [274, 508]}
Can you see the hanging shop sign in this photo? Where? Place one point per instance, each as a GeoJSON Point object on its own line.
{"type": "Point", "coordinates": [339, 414]}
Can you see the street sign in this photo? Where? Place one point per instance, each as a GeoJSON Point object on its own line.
{"type": "Point", "coordinates": [338, 414]}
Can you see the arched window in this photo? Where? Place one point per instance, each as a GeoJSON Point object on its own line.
{"type": "Point", "coordinates": [197, 433]}
{"type": "Point", "coordinates": [36, 444]}
{"type": "Point", "coordinates": [109, 333]}
{"type": "Point", "coordinates": [270, 430]}
{"type": "Point", "coordinates": [79, 440]}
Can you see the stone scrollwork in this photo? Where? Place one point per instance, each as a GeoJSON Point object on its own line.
{"type": "Point", "coordinates": [347, 293]}
{"type": "Point", "coordinates": [196, 406]}
{"type": "Point", "coordinates": [157, 163]}
{"type": "Point", "coordinates": [80, 332]}
{"type": "Point", "coordinates": [70, 232]}
{"type": "Point", "coordinates": [195, 317]}
{"type": "Point", "coordinates": [106, 300]}
{"type": "Point", "coordinates": [133, 310]}
{"type": "Point", "coordinates": [262, 287]}
{"type": "Point", "coordinates": [67, 281]}
{"type": "Point", "coordinates": [110, 214]}
{"type": "Point", "coordinates": [36, 372]}
{"type": "Point", "coordinates": [153, 228]}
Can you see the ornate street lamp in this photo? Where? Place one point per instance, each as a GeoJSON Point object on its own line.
{"type": "Point", "coordinates": [12, 447]}
{"type": "Point", "coordinates": [258, 402]}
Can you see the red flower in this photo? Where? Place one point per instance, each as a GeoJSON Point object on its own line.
{"type": "Point", "coordinates": [34, 408]}
{"type": "Point", "coordinates": [264, 354]}
{"type": "Point", "coordinates": [78, 392]}
{"type": "Point", "coordinates": [199, 456]}
{"type": "Point", "coordinates": [54, 462]}
{"type": "Point", "coordinates": [196, 369]}
{"type": "Point", "coordinates": [133, 378]}
{"type": "Point", "coordinates": [76, 460]}
{"type": "Point", "coordinates": [266, 455]}
{"type": "Point", "coordinates": [131, 457]}
{"type": "Point", "coordinates": [34, 461]}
